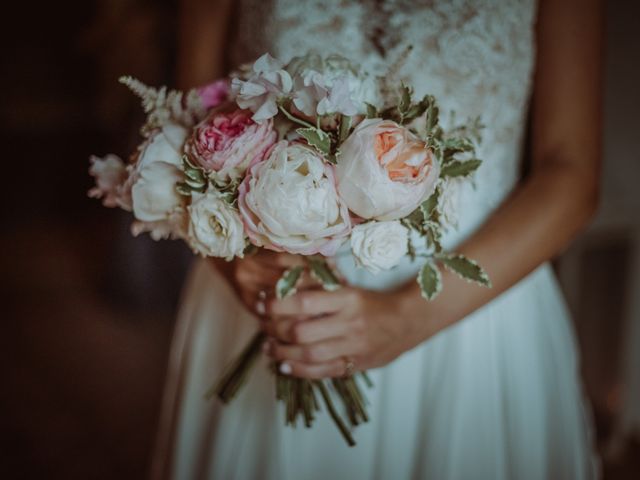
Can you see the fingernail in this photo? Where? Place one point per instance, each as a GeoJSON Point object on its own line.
{"type": "Point", "coordinates": [260, 308]}
{"type": "Point", "coordinates": [285, 368]}
{"type": "Point", "coordinates": [266, 347]}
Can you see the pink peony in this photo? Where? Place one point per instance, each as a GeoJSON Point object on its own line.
{"type": "Point", "coordinates": [214, 94]}
{"type": "Point", "coordinates": [385, 171]}
{"type": "Point", "coordinates": [288, 202]}
{"type": "Point", "coordinates": [227, 143]}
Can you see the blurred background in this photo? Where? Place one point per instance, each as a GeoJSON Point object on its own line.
{"type": "Point", "coordinates": [88, 310]}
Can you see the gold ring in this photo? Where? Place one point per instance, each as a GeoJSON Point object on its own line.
{"type": "Point", "coordinates": [349, 366]}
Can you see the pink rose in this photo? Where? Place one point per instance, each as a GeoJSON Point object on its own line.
{"type": "Point", "coordinates": [384, 171]}
{"type": "Point", "coordinates": [288, 202]}
{"type": "Point", "coordinates": [214, 94]}
{"type": "Point", "coordinates": [227, 143]}
{"type": "Point", "coordinates": [112, 184]}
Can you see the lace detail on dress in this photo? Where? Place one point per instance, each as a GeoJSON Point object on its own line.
{"type": "Point", "coordinates": [475, 56]}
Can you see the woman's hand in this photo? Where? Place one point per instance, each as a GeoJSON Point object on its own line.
{"type": "Point", "coordinates": [317, 334]}
{"type": "Point", "coordinates": [254, 277]}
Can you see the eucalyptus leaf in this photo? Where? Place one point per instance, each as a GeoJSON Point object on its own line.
{"type": "Point", "coordinates": [286, 285]}
{"type": "Point", "coordinates": [430, 281]}
{"type": "Point", "coordinates": [465, 268]}
{"type": "Point", "coordinates": [459, 168]}
{"type": "Point", "coordinates": [316, 138]}
{"type": "Point", "coordinates": [321, 271]}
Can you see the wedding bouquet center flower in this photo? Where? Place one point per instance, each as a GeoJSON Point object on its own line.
{"type": "Point", "coordinates": [289, 202]}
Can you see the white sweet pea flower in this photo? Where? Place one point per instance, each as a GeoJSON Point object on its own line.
{"type": "Point", "coordinates": [316, 94]}
{"type": "Point", "coordinates": [215, 227]}
{"type": "Point", "coordinates": [267, 83]}
{"type": "Point", "coordinates": [379, 246]}
{"type": "Point", "coordinates": [330, 85]}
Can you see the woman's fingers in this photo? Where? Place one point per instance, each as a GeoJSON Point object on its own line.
{"type": "Point", "coordinates": [319, 352]}
{"type": "Point", "coordinates": [310, 330]}
{"type": "Point", "coordinates": [311, 303]}
{"type": "Point", "coordinates": [335, 368]}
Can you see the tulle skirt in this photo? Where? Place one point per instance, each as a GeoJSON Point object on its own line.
{"type": "Point", "coordinates": [496, 396]}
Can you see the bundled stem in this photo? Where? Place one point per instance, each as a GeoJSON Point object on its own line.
{"type": "Point", "coordinates": [298, 394]}
{"type": "Point", "coordinates": [236, 374]}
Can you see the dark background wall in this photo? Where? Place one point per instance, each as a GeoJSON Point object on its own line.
{"type": "Point", "coordinates": [87, 311]}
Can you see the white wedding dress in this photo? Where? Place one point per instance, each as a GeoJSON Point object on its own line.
{"type": "Point", "coordinates": [498, 395]}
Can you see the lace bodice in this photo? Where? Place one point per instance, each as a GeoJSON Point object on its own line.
{"type": "Point", "coordinates": [475, 56]}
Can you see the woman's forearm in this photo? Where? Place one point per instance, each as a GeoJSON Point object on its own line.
{"type": "Point", "coordinates": [534, 225]}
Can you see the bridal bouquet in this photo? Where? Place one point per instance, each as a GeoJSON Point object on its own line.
{"type": "Point", "coordinates": [300, 158]}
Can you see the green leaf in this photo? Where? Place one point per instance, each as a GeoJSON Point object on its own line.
{"type": "Point", "coordinates": [452, 146]}
{"type": "Point", "coordinates": [345, 127]}
{"type": "Point", "coordinates": [430, 205]}
{"type": "Point", "coordinates": [414, 220]}
{"type": "Point", "coordinates": [316, 138]}
{"type": "Point", "coordinates": [430, 281]}
{"type": "Point", "coordinates": [405, 99]}
{"type": "Point", "coordinates": [195, 179]}
{"type": "Point", "coordinates": [372, 111]}
{"type": "Point", "coordinates": [293, 118]}
{"type": "Point", "coordinates": [432, 113]}
{"type": "Point", "coordinates": [321, 271]}
{"type": "Point", "coordinates": [459, 168]}
{"type": "Point", "coordinates": [286, 285]}
{"type": "Point", "coordinates": [433, 235]}
{"type": "Point", "coordinates": [465, 268]}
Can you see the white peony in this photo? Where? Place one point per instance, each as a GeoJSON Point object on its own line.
{"type": "Point", "coordinates": [154, 193]}
{"type": "Point", "coordinates": [379, 246]}
{"type": "Point", "coordinates": [215, 227]}
{"type": "Point", "coordinates": [260, 93]}
{"type": "Point", "coordinates": [289, 202]}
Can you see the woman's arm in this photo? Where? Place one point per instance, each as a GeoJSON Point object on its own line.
{"type": "Point", "coordinates": [202, 42]}
{"type": "Point", "coordinates": [550, 207]}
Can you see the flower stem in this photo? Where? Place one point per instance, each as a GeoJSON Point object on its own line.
{"type": "Point", "coordinates": [332, 411]}
{"type": "Point", "coordinates": [236, 374]}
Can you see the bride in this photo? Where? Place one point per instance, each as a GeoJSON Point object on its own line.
{"type": "Point", "coordinates": [479, 384]}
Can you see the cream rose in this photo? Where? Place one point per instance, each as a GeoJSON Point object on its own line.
{"type": "Point", "coordinates": [384, 171]}
{"type": "Point", "coordinates": [215, 227]}
{"type": "Point", "coordinates": [154, 193]}
{"type": "Point", "coordinates": [379, 245]}
{"type": "Point", "coordinates": [289, 202]}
